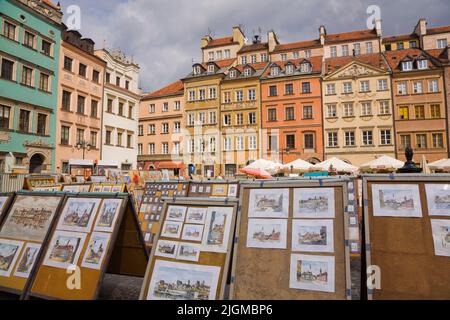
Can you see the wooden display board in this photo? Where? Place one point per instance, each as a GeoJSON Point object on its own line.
{"type": "Point", "coordinates": [214, 188]}
{"type": "Point", "coordinates": [76, 187]}
{"type": "Point", "coordinates": [39, 181]}
{"type": "Point", "coordinates": [407, 235]}
{"type": "Point", "coordinates": [292, 223]}
{"type": "Point", "coordinates": [109, 187]}
{"type": "Point", "coordinates": [191, 262]}
{"type": "Point", "coordinates": [151, 206]}
{"type": "Point", "coordinates": [97, 233]}
{"type": "Point", "coordinates": [53, 188]}
{"type": "Point", "coordinates": [24, 230]}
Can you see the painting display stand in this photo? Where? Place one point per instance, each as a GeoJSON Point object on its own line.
{"type": "Point", "coordinates": [38, 181]}
{"type": "Point", "coordinates": [214, 188]}
{"type": "Point", "coordinates": [94, 234]}
{"type": "Point", "coordinates": [292, 241]}
{"type": "Point", "coordinates": [191, 255]}
{"type": "Point", "coordinates": [407, 236]}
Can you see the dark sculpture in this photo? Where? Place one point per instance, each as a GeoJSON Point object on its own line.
{"type": "Point", "coordinates": [410, 166]}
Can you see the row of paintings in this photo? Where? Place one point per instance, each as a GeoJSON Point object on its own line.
{"type": "Point", "coordinates": [10, 251]}
{"type": "Point", "coordinates": [215, 190]}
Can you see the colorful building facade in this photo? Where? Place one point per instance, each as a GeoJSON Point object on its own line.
{"type": "Point", "coordinates": [29, 54]}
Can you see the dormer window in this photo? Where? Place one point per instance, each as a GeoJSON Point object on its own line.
{"type": "Point", "coordinates": [211, 68]}
{"type": "Point", "coordinates": [274, 71]}
{"type": "Point", "coordinates": [422, 64]}
{"type": "Point", "coordinates": [289, 69]}
{"type": "Point", "coordinates": [305, 67]}
{"type": "Point", "coordinates": [407, 65]}
{"type": "Point", "coordinates": [197, 70]}
{"type": "Point", "coordinates": [247, 72]}
{"type": "Point", "coordinates": [233, 74]}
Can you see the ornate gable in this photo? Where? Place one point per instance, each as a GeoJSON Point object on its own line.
{"type": "Point", "coordinates": [355, 70]}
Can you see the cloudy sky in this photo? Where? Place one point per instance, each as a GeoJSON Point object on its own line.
{"type": "Point", "coordinates": [164, 36]}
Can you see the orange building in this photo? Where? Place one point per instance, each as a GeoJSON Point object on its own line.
{"type": "Point", "coordinates": [292, 110]}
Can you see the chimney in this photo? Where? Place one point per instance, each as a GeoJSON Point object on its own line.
{"type": "Point", "coordinates": [322, 34]}
{"type": "Point", "coordinates": [272, 40]}
{"type": "Point", "coordinates": [205, 41]}
{"type": "Point", "coordinates": [378, 27]}
{"type": "Point", "coordinates": [238, 35]}
{"type": "Point", "coordinates": [421, 27]}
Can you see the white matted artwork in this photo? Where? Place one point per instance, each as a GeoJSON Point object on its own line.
{"type": "Point", "coordinates": [232, 190]}
{"type": "Point", "coordinates": [176, 213]}
{"type": "Point", "coordinates": [217, 229]}
{"type": "Point", "coordinates": [96, 250]}
{"type": "Point", "coordinates": [172, 281]}
{"type": "Point", "coordinates": [64, 249]}
{"type": "Point", "coordinates": [312, 235]}
{"type": "Point", "coordinates": [9, 253]}
{"type": "Point", "coordinates": [108, 214]}
{"type": "Point", "coordinates": [267, 233]}
{"type": "Point", "coordinates": [78, 214]}
{"type": "Point", "coordinates": [314, 203]}
{"type": "Point", "coordinates": [192, 232]}
{"type": "Point", "coordinates": [172, 229]}
{"type": "Point", "coordinates": [188, 251]}
{"type": "Point", "coordinates": [27, 260]}
{"type": "Point", "coordinates": [311, 272]}
{"type": "Point", "coordinates": [438, 199]}
{"type": "Point", "coordinates": [268, 203]}
{"type": "Point", "coordinates": [196, 215]}
{"type": "Point", "coordinates": [396, 200]}
{"type": "Point", "coordinates": [441, 237]}
{"type": "Point", "coordinates": [166, 248]}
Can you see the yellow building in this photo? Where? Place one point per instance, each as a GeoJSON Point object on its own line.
{"type": "Point", "coordinates": [400, 42]}
{"type": "Point", "coordinates": [357, 102]}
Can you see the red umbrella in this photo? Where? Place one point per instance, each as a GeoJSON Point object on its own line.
{"type": "Point", "coordinates": [257, 173]}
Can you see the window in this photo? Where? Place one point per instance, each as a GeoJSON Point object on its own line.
{"type": "Point", "coordinates": [177, 106]}
{"type": "Point", "coordinates": [129, 141]}
{"type": "Point", "coordinates": [305, 67]}
{"type": "Point", "coordinates": [210, 56]}
{"type": "Point", "coordinates": [9, 30]}
{"type": "Point", "coordinates": [165, 148]}
{"type": "Point", "coordinates": [227, 53]}
{"type": "Point", "coordinates": [288, 88]}
{"type": "Point", "coordinates": [219, 55]}
{"type": "Point", "coordinates": [407, 65]}
{"type": "Point", "coordinates": [331, 111]}
{"type": "Point", "coordinates": [44, 82]}
{"type": "Point", "coordinates": [364, 86]}
{"type": "Point", "coordinates": [419, 112]}
{"type": "Point", "coordinates": [405, 141]}
{"type": "Point", "coordinates": [82, 70]}
{"type": "Point", "coordinates": [333, 51]}
{"type": "Point", "coordinates": [140, 130]}
{"type": "Point", "coordinates": [290, 141]}
{"type": "Point", "coordinates": [177, 127]}
{"type": "Point", "coordinates": [421, 140]}
{"type": "Point", "coordinates": [151, 148]}
{"type": "Point", "coordinates": [367, 138]}
{"type": "Point", "coordinates": [247, 72]}
{"type": "Point", "coordinates": [306, 87]}
{"type": "Point", "coordinates": [401, 88]}
{"type": "Point", "coordinates": [95, 76]}
{"type": "Point", "coordinates": [289, 113]}
{"type": "Point", "coordinates": [252, 118]}
{"type": "Point", "coordinates": [289, 69]}
{"type": "Point", "coordinates": [349, 138]}
{"type": "Point", "coordinates": [5, 114]}
{"type": "Point", "coordinates": [239, 119]}
{"type": "Point", "coordinates": [176, 145]}
{"type": "Point", "coordinates": [94, 108]}
{"type": "Point", "coordinates": [273, 142]}
{"type": "Point", "coordinates": [272, 91]}
{"type": "Point", "coordinates": [80, 104]}
{"type": "Point", "coordinates": [296, 55]}
{"type": "Point", "coordinates": [435, 111]}
{"type": "Point", "coordinates": [263, 57]}
{"type": "Point", "coordinates": [385, 137]}
{"type": "Point", "coordinates": [151, 129]}
{"type": "Point", "coordinates": [108, 135]}
{"type": "Point", "coordinates": [119, 139]}
{"type": "Point", "coordinates": [191, 119]}
{"type": "Point", "coordinates": [65, 135]}
{"type": "Point", "coordinates": [332, 139]}
{"type": "Point", "coordinates": [417, 87]}
{"type": "Point", "coordinates": [46, 47]}
{"type": "Point", "coordinates": [80, 135]}
{"type": "Point", "coordinates": [227, 120]}
{"type": "Point", "coordinates": [400, 46]}
{"type": "Point", "coordinates": [191, 95]}
{"type": "Point", "coordinates": [357, 49]}
{"type": "Point", "coordinates": [382, 85]}
{"type": "Point", "coordinates": [240, 143]}
{"type": "Point", "coordinates": [422, 64]}
{"type": "Point", "coordinates": [307, 112]}
{"type": "Point", "coordinates": [7, 69]}
{"type": "Point", "coordinates": [413, 44]}
{"type": "Point", "coordinates": [347, 87]}
{"type": "Point", "coordinates": [211, 68]}
{"type": "Point", "coordinates": [307, 54]}
{"type": "Point", "coordinates": [27, 76]}
{"type": "Point", "coordinates": [28, 39]}
{"type": "Point", "coordinates": [212, 93]}
{"type": "Point", "coordinates": [272, 114]}
{"type": "Point", "coordinates": [227, 144]}
{"type": "Point", "coordinates": [151, 108]}
{"type": "Point", "coordinates": [442, 43]}
{"type": "Point", "coordinates": [120, 112]}
{"type": "Point", "coordinates": [385, 107]}
{"type": "Point", "coordinates": [239, 95]}
{"type": "Point", "coordinates": [387, 47]}
{"type": "Point", "coordinates": [127, 84]}
{"type": "Point", "coordinates": [139, 148]}
{"type": "Point", "coordinates": [202, 117]}
{"type": "Point", "coordinates": [404, 113]}
{"type": "Point", "coordinates": [109, 106]}
{"type": "Point", "coordinates": [438, 140]}
{"type": "Point", "coordinates": [345, 50]}
{"type": "Point", "coordinates": [118, 81]}
{"type": "Point", "coordinates": [252, 143]}
{"type": "Point", "coordinates": [251, 94]}
{"type": "Point", "coordinates": [331, 88]}
{"type": "Point", "coordinates": [165, 107]}
{"type": "Point", "coordinates": [212, 117]}
{"type": "Point", "coordinates": [369, 48]}
{"type": "Point", "coordinates": [243, 60]}
{"type": "Point", "coordinates": [108, 77]}
{"type": "Point", "coordinates": [366, 108]}
{"type": "Point", "coordinates": [283, 57]}
{"type": "Point", "coordinates": [202, 94]}
{"type": "Point", "coordinates": [68, 64]}
{"type": "Point", "coordinates": [93, 141]}
{"type": "Point", "coordinates": [348, 110]}
{"type": "Point", "coordinates": [130, 112]}
{"type": "Point", "coordinates": [309, 141]}
{"type": "Point", "coordinates": [233, 74]}
{"type": "Point", "coordinates": [274, 71]}
{"type": "Point", "coordinates": [433, 86]}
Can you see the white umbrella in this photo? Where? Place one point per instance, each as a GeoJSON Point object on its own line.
{"type": "Point", "coordinates": [299, 164]}
{"type": "Point", "coordinates": [383, 163]}
{"type": "Point", "coordinates": [338, 165]}
{"type": "Point", "coordinates": [263, 164]}
{"type": "Point", "coordinates": [443, 164]}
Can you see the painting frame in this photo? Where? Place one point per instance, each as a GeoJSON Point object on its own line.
{"type": "Point", "coordinates": [440, 229]}
{"type": "Point", "coordinates": [313, 262]}
{"type": "Point", "coordinates": [167, 234]}
{"type": "Point", "coordinates": [256, 238]}
{"type": "Point", "coordinates": [69, 236]}
{"type": "Point", "coordinates": [176, 213]}
{"type": "Point", "coordinates": [276, 200]}
{"type": "Point", "coordinates": [22, 273]}
{"type": "Point", "coordinates": [435, 192]}
{"type": "Point", "coordinates": [308, 226]}
{"type": "Point", "coordinates": [188, 229]}
{"type": "Point", "coordinates": [106, 240]}
{"type": "Point", "coordinates": [66, 216]}
{"type": "Point", "coordinates": [111, 224]}
{"type": "Point", "coordinates": [313, 207]}
{"type": "Point", "coordinates": [196, 210]}
{"type": "Point", "coordinates": [214, 215]}
{"type": "Point", "coordinates": [158, 248]}
{"type": "Point", "coordinates": [8, 263]}
{"type": "Point", "coordinates": [389, 208]}
{"type": "Point", "coordinates": [195, 246]}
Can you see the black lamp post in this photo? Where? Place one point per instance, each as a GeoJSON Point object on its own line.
{"type": "Point", "coordinates": [83, 145]}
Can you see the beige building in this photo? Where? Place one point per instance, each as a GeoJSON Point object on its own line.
{"type": "Point", "coordinates": [358, 121]}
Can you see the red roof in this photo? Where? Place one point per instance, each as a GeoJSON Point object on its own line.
{"type": "Point", "coordinates": [394, 58]}
{"type": "Point", "coordinates": [254, 47]}
{"type": "Point", "coordinates": [351, 36]}
{"type": "Point", "coordinates": [173, 88]}
{"type": "Point", "coordinates": [225, 41]}
{"type": "Point", "coordinates": [256, 66]}
{"type": "Point", "coordinates": [316, 63]}
{"type": "Point", "coordinates": [442, 29]}
{"type": "Point", "coordinates": [439, 54]}
{"type": "Point", "coordinates": [220, 63]}
{"type": "Point", "coordinates": [374, 59]}
{"type": "Point", "coordinates": [297, 45]}
{"type": "Point", "coordinates": [402, 37]}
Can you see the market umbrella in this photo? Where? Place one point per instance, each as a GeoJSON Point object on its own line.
{"type": "Point", "coordinates": [443, 164]}
{"type": "Point", "coordinates": [298, 165]}
{"type": "Point", "coordinates": [337, 164]}
{"type": "Point", "coordinates": [257, 173]}
{"type": "Point", "coordinates": [382, 163]}
{"type": "Point", "coordinates": [267, 165]}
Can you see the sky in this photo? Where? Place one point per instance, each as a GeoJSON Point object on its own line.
{"type": "Point", "coordinates": [163, 36]}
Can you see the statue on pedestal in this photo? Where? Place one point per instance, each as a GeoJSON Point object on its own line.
{"type": "Point", "coordinates": [410, 166]}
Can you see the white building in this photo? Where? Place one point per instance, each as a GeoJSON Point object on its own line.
{"type": "Point", "coordinates": [120, 110]}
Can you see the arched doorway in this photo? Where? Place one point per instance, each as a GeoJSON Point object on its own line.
{"type": "Point", "coordinates": [36, 163]}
